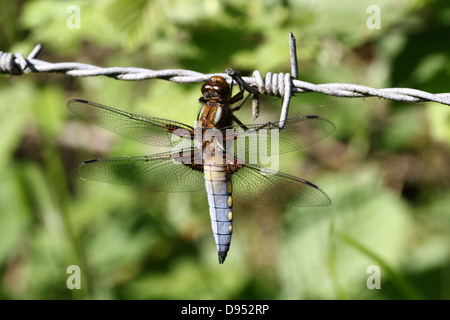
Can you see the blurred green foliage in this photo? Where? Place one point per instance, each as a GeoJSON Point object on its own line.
{"type": "Point", "coordinates": [386, 168]}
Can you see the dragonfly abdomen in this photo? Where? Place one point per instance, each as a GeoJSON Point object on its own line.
{"type": "Point", "coordinates": [218, 188]}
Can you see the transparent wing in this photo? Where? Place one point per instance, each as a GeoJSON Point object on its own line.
{"type": "Point", "coordinates": [297, 133]}
{"type": "Point", "coordinates": [148, 130]}
{"type": "Point", "coordinates": [159, 172]}
{"type": "Point", "coordinates": [268, 187]}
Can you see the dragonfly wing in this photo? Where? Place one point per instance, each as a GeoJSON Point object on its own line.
{"type": "Point", "coordinates": [268, 187]}
{"type": "Point", "coordinates": [297, 133]}
{"type": "Point", "coordinates": [158, 172]}
{"type": "Point", "coordinates": [148, 130]}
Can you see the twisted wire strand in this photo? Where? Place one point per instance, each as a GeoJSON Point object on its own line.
{"type": "Point", "coordinates": [274, 84]}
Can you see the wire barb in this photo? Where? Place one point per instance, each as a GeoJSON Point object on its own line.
{"type": "Point", "coordinates": [293, 53]}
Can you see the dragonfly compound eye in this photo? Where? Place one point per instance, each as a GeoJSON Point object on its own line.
{"type": "Point", "coordinates": [216, 86]}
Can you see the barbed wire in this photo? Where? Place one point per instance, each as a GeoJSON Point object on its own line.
{"type": "Point", "coordinates": [274, 84]}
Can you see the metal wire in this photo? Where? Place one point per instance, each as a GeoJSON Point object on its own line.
{"type": "Point", "coordinates": [274, 84]}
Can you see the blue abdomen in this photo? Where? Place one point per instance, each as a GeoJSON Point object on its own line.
{"type": "Point", "coordinates": [218, 188]}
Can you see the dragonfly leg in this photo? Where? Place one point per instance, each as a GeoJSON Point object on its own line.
{"type": "Point", "coordinates": [236, 77]}
{"type": "Point", "coordinates": [240, 104]}
{"type": "Point", "coordinates": [239, 122]}
{"type": "Point", "coordinates": [239, 96]}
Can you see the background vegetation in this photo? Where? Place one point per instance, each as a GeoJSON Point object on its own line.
{"type": "Point", "coordinates": [386, 168]}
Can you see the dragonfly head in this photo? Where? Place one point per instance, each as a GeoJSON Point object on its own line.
{"type": "Point", "coordinates": [216, 87]}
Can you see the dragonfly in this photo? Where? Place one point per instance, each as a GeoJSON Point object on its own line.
{"type": "Point", "coordinates": [212, 156]}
